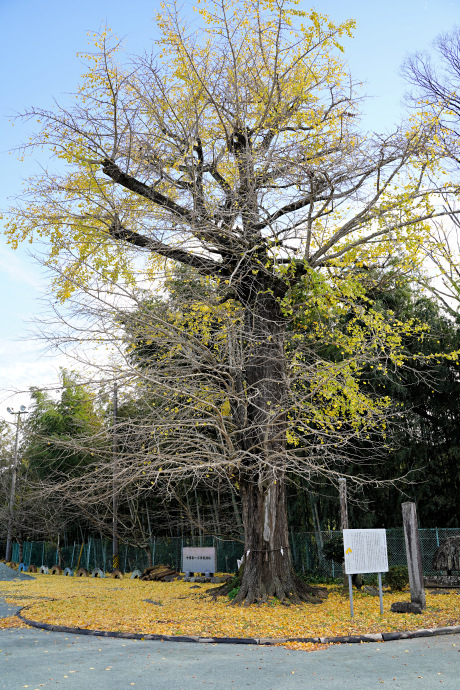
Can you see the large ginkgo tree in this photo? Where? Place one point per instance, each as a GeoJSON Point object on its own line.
{"type": "Point", "coordinates": [235, 150]}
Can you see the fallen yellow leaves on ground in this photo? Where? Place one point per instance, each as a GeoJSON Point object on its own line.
{"type": "Point", "coordinates": [179, 608]}
{"type": "Point", "coordinates": [12, 622]}
{"type": "Point", "coordinates": [303, 646]}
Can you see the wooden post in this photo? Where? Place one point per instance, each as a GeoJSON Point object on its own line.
{"type": "Point", "coordinates": [343, 503]}
{"type": "Point", "coordinates": [414, 555]}
{"type": "Point", "coordinates": [344, 522]}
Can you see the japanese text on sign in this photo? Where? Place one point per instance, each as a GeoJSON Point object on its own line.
{"type": "Point", "coordinates": [199, 559]}
{"type": "Point", "coordinates": [365, 551]}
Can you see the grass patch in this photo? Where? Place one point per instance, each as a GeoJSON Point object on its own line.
{"type": "Point", "coordinates": [119, 605]}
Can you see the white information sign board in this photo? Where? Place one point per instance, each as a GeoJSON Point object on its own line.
{"type": "Point", "coordinates": [199, 559]}
{"type": "Point", "coordinates": [365, 551]}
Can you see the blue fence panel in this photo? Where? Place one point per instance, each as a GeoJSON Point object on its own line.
{"type": "Point", "coordinates": [306, 549]}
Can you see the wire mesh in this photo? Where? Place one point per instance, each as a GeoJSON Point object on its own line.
{"type": "Point", "coordinates": [306, 552]}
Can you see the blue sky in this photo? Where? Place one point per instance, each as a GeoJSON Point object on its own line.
{"type": "Point", "coordinates": [38, 50]}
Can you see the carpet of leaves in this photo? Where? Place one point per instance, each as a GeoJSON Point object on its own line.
{"type": "Point", "coordinates": [178, 608]}
{"type": "Point", "coordinates": [12, 622]}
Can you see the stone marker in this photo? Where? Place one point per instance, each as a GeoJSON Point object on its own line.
{"type": "Point", "coordinates": [414, 555]}
{"type": "Point", "coordinates": [406, 607]}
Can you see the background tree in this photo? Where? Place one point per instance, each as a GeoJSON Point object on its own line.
{"type": "Point", "coordinates": [55, 447]}
{"type": "Point", "coordinates": [6, 441]}
{"type": "Point", "coordinates": [424, 440]}
{"type": "Point", "coordinates": [436, 83]}
{"type": "Point", "coordinates": [235, 151]}
{"type": "Point", "coordinates": [6, 461]}
{"type": "Point", "coordinates": [435, 79]}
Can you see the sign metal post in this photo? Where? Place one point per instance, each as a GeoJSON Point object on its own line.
{"type": "Point", "coordinates": [365, 552]}
{"type": "Point", "coordinates": [350, 589]}
{"type": "Point", "coordinates": [380, 593]}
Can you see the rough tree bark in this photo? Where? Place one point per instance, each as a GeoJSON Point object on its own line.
{"type": "Point", "coordinates": [268, 569]}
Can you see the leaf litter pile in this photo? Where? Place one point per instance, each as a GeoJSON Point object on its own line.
{"type": "Point", "coordinates": [12, 622]}
{"type": "Point", "coordinates": [179, 608]}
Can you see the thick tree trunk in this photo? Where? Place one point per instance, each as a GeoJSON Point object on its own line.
{"type": "Point", "coordinates": [148, 551]}
{"type": "Point", "coordinates": [267, 567]}
{"type": "Point", "coordinates": [267, 564]}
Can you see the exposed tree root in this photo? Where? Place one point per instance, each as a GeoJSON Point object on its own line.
{"type": "Point", "coordinates": [294, 591]}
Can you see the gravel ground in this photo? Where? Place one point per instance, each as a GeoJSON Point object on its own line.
{"type": "Point", "coordinates": [6, 610]}
{"type": "Point", "coordinates": [8, 574]}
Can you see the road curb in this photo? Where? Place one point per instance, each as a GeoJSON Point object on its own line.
{"type": "Point", "coordinates": [266, 641]}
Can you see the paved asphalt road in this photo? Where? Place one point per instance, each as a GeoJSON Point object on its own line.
{"type": "Point", "coordinates": [31, 658]}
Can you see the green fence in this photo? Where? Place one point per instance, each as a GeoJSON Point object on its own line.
{"type": "Point", "coordinates": [97, 553]}
{"type": "Point", "coordinates": [306, 552]}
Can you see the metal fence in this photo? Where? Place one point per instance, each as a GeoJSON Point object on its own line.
{"type": "Point", "coordinates": [97, 553]}
{"type": "Point", "coordinates": [307, 555]}
{"type": "Point", "coordinates": [306, 551]}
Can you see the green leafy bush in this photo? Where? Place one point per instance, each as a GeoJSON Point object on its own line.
{"type": "Point", "coordinates": [317, 577]}
{"type": "Point", "coordinates": [233, 592]}
{"type": "Point", "coordinates": [333, 549]}
{"type": "Point", "coordinates": [397, 577]}
{"type": "Point", "coordinates": [370, 579]}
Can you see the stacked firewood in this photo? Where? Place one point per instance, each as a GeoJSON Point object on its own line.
{"type": "Point", "coordinates": [163, 573]}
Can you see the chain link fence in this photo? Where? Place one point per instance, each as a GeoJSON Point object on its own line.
{"type": "Point", "coordinates": [97, 553]}
{"type": "Point", "coordinates": [306, 552]}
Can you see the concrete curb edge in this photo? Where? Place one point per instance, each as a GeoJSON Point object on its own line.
{"type": "Point", "coordinates": [346, 639]}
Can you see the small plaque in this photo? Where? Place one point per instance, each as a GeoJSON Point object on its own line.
{"type": "Point", "coordinates": [365, 551]}
{"type": "Point", "coordinates": [200, 559]}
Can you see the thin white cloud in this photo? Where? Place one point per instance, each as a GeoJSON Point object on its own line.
{"type": "Point", "coordinates": [19, 269]}
{"type": "Point", "coordinates": [22, 367]}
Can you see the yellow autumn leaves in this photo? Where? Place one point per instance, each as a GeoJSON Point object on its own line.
{"type": "Point", "coordinates": [178, 609]}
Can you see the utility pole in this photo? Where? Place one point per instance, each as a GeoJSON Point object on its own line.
{"type": "Point", "coordinates": [9, 535]}
{"type": "Point", "coordinates": [115, 552]}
